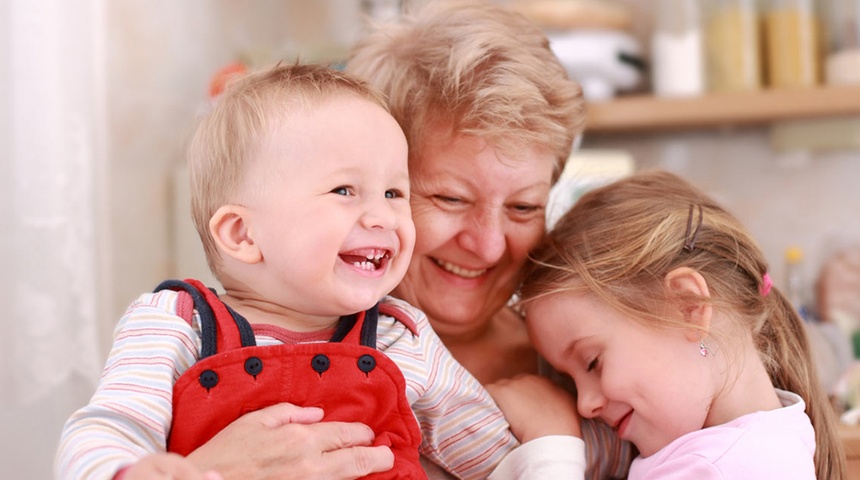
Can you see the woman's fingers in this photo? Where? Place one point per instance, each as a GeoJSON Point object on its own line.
{"type": "Point", "coordinates": [354, 462]}
{"type": "Point", "coordinates": [288, 442]}
{"type": "Point", "coordinates": [285, 413]}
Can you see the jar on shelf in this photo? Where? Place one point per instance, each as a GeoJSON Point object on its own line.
{"type": "Point", "coordinates": [842, 64]}
{"type": "Point", "coordinates": [677, 57]}
{"type": "Point", "coordinates": [732, 45]}
{"type": "Point", "coordinates": [792, 37]}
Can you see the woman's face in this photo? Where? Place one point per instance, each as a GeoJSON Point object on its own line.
{"type": "Point", "coordinates": [477, 214]}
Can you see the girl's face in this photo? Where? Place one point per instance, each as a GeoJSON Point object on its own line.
{"type": "Point", "coordinates": [650, 385]}
{"type": "Point", "coordinates": [477, 214]}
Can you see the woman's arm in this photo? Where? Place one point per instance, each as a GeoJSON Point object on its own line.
{"type": "Point", "coordinates": [543, 416]}
{"type": "Point", "coordinates": [535, 407]}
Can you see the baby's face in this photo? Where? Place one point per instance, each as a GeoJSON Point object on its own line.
{"type": "Point", "coordinates": [327, 202]}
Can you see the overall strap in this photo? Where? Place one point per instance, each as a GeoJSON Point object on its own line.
{"type": "Point", "coordinates": [221, 328]}
{"type": "Point", "coordinates": [365, 334]}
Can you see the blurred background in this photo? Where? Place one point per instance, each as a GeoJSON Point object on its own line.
{"type": "Point", "coordinates": [756, 102]}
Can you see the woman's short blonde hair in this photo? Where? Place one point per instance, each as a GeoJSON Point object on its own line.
{"type": "Point", "coordinates": [477, 69]}
{"type": "Point", "coordinates": [229, 133]}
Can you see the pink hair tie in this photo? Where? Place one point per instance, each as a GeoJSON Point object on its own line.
{"type": "Point", "coordinates": [766, 284]}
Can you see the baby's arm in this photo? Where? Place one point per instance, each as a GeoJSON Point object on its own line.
{"type": "Point", "coordinates": [129, 415]}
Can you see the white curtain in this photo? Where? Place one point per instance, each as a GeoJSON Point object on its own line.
{"type": "Point", "coordinates": [51, 161]}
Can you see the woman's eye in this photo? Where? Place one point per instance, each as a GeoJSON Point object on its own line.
{"type": "Point", "coordinates": [447, 199]}
{"type": "Point", "coordinates": [343, 190]}
{"type": "Point", "coordinates": [524, 208]}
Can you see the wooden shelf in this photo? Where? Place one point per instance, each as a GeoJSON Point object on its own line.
{"type": "Point", "coordinates": [641, 113]}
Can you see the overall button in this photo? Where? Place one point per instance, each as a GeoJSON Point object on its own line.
{"type": "Point", "coordinates": [208, 379]}
{"type": "Point", "coordinates": [320, 363]}
{"type": "Point", "coordinates": [253, 366]}
{"type": "Point", "coordinates": [366, 363]}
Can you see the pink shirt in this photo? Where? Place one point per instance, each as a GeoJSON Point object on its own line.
{"type": "Point", "coordinates": [773, 444]}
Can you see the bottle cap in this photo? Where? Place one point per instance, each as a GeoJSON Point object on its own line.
{"type": "Point", "coordinates": [793, 254]}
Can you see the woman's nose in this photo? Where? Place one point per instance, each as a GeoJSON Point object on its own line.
{"type": "Point", "coordinates": [484, 235]}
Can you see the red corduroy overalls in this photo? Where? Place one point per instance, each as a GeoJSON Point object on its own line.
{"type": "Point", "coordinates": [347, 377]}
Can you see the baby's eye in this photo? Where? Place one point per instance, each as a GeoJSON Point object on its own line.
{"type": "Point", "coordinates": [393, 194]}
{"type": "Point", "coordinates": [592, 365]}
{"type": "Point", "coordinates": [344, 190]}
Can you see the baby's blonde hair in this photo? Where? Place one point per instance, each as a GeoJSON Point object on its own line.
{"type": "Point", "coordinates": [477, 69]}
{"type": "Point", "coordinates": [620, 241]}
{"type": "Point", "coordinates": [228, 135]}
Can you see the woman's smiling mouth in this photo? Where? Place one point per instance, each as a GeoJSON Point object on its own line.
{"type": "Point", "coordinates": [457, 270]}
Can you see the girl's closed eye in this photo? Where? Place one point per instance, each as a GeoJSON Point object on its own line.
{"type": "Point", "coordinates": [592, 365]}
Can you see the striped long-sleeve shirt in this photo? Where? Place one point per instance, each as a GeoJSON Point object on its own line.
{"type": "Point", "coordinates": [129, 416]}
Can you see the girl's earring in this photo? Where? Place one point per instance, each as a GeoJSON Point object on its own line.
{"type": "Point", "coordinates": [703, 349]}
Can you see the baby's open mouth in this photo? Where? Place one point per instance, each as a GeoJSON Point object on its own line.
{"type": "Point", "coordinates": [366, 259]}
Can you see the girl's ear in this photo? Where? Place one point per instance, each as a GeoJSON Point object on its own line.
{"type": "Point", "coordinates": [233, 236]}
{"type": "Point", "coordinates": [690, 289]}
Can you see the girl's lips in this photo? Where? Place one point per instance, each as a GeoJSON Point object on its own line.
{"type": "Point", "coordinates": [621, 426]}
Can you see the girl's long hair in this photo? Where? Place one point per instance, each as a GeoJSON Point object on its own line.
{"type": "Point", "coordinates": [618, 242]}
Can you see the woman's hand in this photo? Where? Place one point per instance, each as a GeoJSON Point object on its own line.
{"type": "Point", "coordinates": [289, 442]}
{"type": "Point", "coordinates": [166, 466]}
{"type": "Point", "coordinates": [536, 407]}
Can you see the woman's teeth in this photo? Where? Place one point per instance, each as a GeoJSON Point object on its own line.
{"type": "Point", "coordinates": [459, 271]}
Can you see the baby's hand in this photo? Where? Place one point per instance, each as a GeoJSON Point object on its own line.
{"type": "Point", "coordinates": [166, 466]}
{"type": "Point", "coordinates": [536, 407]}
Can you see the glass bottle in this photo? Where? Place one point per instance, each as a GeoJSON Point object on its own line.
{"type": "Point", "coordinates": [677, 58]}
{"type": "Point", "coordinates": [794, 277]}
{"type": "Point", "coordinates": [792, 43]}
{"type": "Point", "coordinates": [732, 45]}
{"type": "Point", "coordinates": [842, 64]}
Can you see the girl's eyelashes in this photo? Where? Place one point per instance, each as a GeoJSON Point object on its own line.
{"type": "Point", "coordinates": [592, 365]}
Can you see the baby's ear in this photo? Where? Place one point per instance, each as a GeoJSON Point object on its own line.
{"type": "Point", "coordinates": [232, 234]}
{"type": "Point", "coordinates": [690, 290]}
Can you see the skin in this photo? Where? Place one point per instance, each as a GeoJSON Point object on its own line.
{"type": "Point", "coordinates": [307, 448]}
{"type": "Point", "coordinates": [481, 212]}
{"type": "Point", "coordinates": [652, 385]}
{"type": "Point", "coordinates": [327, 190]}
{"type": "Point", "coordinates": [477, 214]}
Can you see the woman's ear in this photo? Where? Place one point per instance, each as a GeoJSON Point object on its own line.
{"type": "Point", "coordinates": [690, 289]}
{"type": "Point", "coordinates": [232, 235]}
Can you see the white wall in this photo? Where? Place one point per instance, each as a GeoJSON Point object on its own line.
{"type": "Point", "coordinates": [804, 198]}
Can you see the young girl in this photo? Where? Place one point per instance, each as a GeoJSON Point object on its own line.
{"type": "Point", "coordinates": [659, 304]}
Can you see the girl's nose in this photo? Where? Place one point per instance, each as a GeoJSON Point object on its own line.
{"type": "Point", "coordinates": [589, 401]}
{"type": "Point", "coordinates": [484, 234]}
